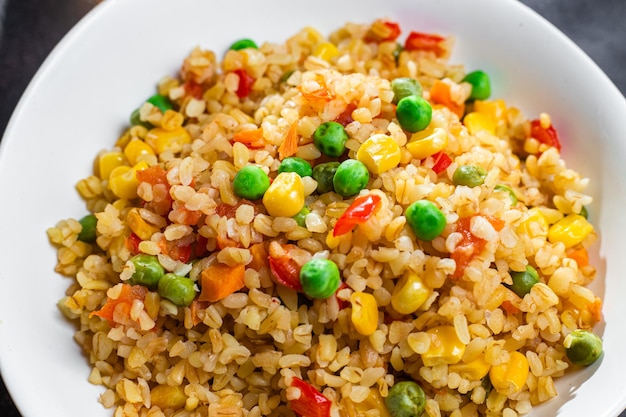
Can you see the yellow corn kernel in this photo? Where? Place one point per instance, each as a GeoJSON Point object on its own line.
{"type": "Point", "coordinates": [509, 378]}
{"type": "Point", "coordinates": [136, 149]}
{"type": "Point", "coordinates": [379, 153]}
{"type": "Point", "coordinates": [314, 36]}
{"type": "Point", "coordinates": [570, 230]}
{"type": "Point", "coordinates": [285, 196]}
{"type": "Point", "coordinates": [332, 241]}
{"type": "Point", "coordinates": [123, 180]}
{"type": "Point", "coordinates": [445, 347]}
{"type": "Point", "coordinates": [409, 294]}
{"type": "Point", "coordinates": [139, 225]}
{"type": "Point", "coordinates": [160, 139]}
{"type": "Point", "coordinates": [535, 225]}
{"type": "Point", "coordinates": [167, 396]}
{"type": "Point", "coordinates": [479, 122]}
{"type": "Point", "coordinates": [430, 145]}
{"type": "Point", "coordinates": [494, 108]}
{"type": "Point", "coordinates": [364, 312]}
{"type": "Point", "coordinates": [326, 51]}
{"type": "Point", "coordinates": [373, 401]}
{"type": "Point", "coordinates": [108, 161]}
{"type": "Point", "coordinates": [472, 371]}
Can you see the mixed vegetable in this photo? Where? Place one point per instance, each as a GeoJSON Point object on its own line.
{"type": "Point", "coordinates": [283, 194]}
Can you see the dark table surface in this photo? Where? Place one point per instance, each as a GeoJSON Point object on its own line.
{"type": "Point", "coordinates": [29, 29]}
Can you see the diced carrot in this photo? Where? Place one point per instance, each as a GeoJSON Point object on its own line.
{"type": "Point", "coordinates": [579, 254]}
{"type": "Point", "coordinates": [251, 138]}
{"type": "Point", "coordinates": [152, 175]}
{"type": "Point", "coordinates": [195, 307]}
{"type": "Point", "coordinates": [509, 307]}
{"type": "Point", "coordinates": [259, 256]}
{"type": "Point", "coordinates": [290, 143]}
{"type": "Point", "coordinates": [595, 309]}
{"type": "Point", "coordinates": [497, 224]}
{"type": "Point", "coordinates": [230, 211]}
{"type": "Point", "coordinates": [226, 242]}
{"type": "Point", "coordinates": [127, 295]}
{"type": "Point", "coordinates": [220, 280]}
{"type": "Point", "coordinates": [440, 94]}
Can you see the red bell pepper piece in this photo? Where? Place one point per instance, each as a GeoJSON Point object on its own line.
{"type": "Point", "coordinates": [417, 41]}
{"type": "Point", "coordinates": [544, 135]}
{"type": "Point", "coordinates": [245, 83]}
{"type": "Point", "coordinates": [382, 31]}
{"type": "Point", "coordinates": [361, 209]}
{"type": "Point", "coordinates": [470, 245]}
{"type": "Point", "coordinates": [285, 270]}
{"type": "Point", "coordinates": [311, 402]}
{"type": "Point", "coordinates": [193, 89]}
{"type": "Point", "coordinates": [442, 162]}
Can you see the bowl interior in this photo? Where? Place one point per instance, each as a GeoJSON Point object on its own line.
{"type": "Point", "coordinates": [81, 99]}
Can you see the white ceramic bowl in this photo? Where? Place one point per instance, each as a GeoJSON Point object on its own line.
{"type": "Point", "coordinates": [82, 96]}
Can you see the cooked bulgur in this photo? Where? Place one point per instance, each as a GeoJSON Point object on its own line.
{"type": "Point", "coordinates": [476, 310]}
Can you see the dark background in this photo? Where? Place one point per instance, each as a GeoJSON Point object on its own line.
{"type": "Point", "coordinates": [29, 29]}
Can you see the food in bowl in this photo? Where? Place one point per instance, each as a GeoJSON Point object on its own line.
{"type": "Point", "coordinates": [346, 225]}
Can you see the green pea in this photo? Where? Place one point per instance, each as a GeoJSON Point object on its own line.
{"type": "Point", "coordinates": [584, 212]}
{"type": "Point", "coordinates": [582, 347]}
{"type": "Point", "coordinates": [523, 281]}
{"type": "Point", "coordinates": [414, 113]}
{"type": "Point", "coordinates": [507, 190]}
{"type": "Point", "coordinates": [162, 102]}
{"type": "Point", "coordinates": [298, 165]}
{"type": "Point", "coordinates": [330, 138]}
{"type": "Point", "coordinates": [148, 271]}
{"type": "Point", "coordinates": [470, 175]}
{"type": "Point", "coordinates": [351, 177]}
{"type": "Point", "coordinates": [178, 289]}
{"type": "Point", "coordinates": [405, 86]}
{"type": "Point", "coordinates": [300, 218]}
{"type": "Point", "coordinates": [324, 174]}
{"type": "Point", "coordinates": [251, 182]}
{"type": "Point", "coordinates": [320, 278]}
{"type": "Point", "coordinates": [135, 120]}
{"type": "Point", "coordinates": [406, 399]}
{"type": "Point", "coordinates": [243, 44]}
{"type": "Point", "coordinates": [425, 219]}
{"type": "Point", "coordinates": [481, 86]}
{"type": "Point", "coordinates": [88, 228]}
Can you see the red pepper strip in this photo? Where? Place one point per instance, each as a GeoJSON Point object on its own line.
{"type": "Point", "coordinates": [361, 209]}
{"type": "Point", "coordinates": [345, 118]}
{"type": "Point", "coordinates": [470, 245]}
{"type": "Point", "coordinates": [342, 303]}
{"type": "Point", "coordinates": [417, 41]}
{"type": "Point", "coordinates": [245, 83]}
{"type": "Point", "coordinates": [286, 271]}
{"type": "Point", "coordinates": [382, 31]}
{"type": "Point", "coordinates": [442, 162]}
{"type": "Point", "coordinates": [546, 136]}
{"type": "Point", "coordinates": [311, 402]}
{"type": "Point", "coordinates": [132, 243]}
